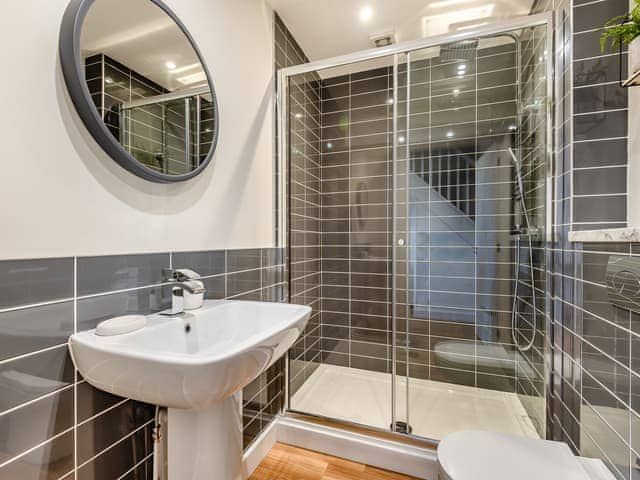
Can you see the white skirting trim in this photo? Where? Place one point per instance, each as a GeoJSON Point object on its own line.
{"type": "Point", "coordinates": [381, 453]}
{"type": "Point", "coordinates": [259, 449]}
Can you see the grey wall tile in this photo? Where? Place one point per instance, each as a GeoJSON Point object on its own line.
{"type": "Point", "coordinates": [35, 423]}
{"type": "Point", "coordinates": [247, 259]}
{"type": "Point", "coordinates": [105, 430]}
{"type": "Point", "coordinates": [31, 377]}
{"type": "Point", "coordinates": [31, 329]}
{"type": "Point", "coordinates": [52, 460]}
{"type": "Point", "coordinates": [205, 263]}
{"type": "Point", "coordinates": [119, 272]}
{"type": "Point", "coordinates": [24, 282]}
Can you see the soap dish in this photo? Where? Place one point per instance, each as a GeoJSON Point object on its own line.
{"type": "Point", "coordinates": [121, 325]}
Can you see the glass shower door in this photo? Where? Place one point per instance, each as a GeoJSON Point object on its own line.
{"type": "Point", "coordinates": [416, 232]}
{"type": "Point", "coordinates": [471, 127]}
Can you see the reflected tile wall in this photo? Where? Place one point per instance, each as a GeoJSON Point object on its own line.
{"type": "Point", "coordinates": [41, 395]}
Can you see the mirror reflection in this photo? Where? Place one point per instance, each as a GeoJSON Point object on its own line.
{"type": "Point", "coordinates": [148, 84]}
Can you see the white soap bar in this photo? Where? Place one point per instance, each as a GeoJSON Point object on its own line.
{"type": "Point", "coordinates": [120, 325]}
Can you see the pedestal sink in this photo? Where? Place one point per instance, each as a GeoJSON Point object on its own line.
{"type": "Point", "coordinates": [196, 365]}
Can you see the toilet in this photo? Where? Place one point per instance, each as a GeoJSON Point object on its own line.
{"type": "Point", "coordinates": [478, 455]}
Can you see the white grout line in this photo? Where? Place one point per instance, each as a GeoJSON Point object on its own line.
{"type": "Point", "coordinates": [30, 354]}
{"type": "Point", "coordinates": [35, 305]}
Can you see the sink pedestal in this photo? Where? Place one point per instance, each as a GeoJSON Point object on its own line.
{"type": "Point", "coordinates": [206, 444]}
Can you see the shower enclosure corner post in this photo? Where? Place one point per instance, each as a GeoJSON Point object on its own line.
{"type": "Point", "coordinates": [282, 192]}
{"type": "Point", "coordinates": [394, 232]}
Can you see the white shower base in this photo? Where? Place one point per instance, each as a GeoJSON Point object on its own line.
{"type": "Point", "coordinates": [436, 408]}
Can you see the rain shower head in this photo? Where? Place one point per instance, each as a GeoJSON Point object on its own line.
{"type": "Point", "coordinates": [462, 50]}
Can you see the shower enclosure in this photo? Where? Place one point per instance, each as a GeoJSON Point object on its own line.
{"type": "Point", "coordinates": [416, 184]}
{"type": "Point", "coordinates": [171, 133]}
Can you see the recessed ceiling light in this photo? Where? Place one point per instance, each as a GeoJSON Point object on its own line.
{"type": "Point", "coordinates": [366, 13]}
{"type": "Point", "coordinates": [462, 67]}
{"type": "Point", "coordinates": [298, 115]}
{"type": "Point", "coordinates": [170, 65]}
{"type": "Point", "coordinates": [108, 80]}
{"type": "Point", "coordinates": [447, 3]}
{"type": "Point", "coordinates": [390, 101]}
{"type": "Point", "coordinates": [456, 91]}
{"type": "Point", "coordinates": [401, 139]}
{"type": "Point", "coordinates": [329, 145]}
{"type": "Point", "coordinates": [450, 134]}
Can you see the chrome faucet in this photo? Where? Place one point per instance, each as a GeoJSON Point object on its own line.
{"type": "Point", "coordinates": [179, 283]}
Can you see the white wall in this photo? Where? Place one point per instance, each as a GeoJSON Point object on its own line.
{"type": "Point", "coordinates": [60, 195]}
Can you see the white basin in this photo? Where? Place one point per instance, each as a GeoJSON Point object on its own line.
{"type": "Point", "coordinates": [195, 364]}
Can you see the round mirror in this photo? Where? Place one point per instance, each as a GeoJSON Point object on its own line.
{"type": "Point", "coordinates": [140, 85]}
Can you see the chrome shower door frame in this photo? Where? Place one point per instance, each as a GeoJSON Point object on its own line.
{"type": "Point", "coordinates": [394, 52]}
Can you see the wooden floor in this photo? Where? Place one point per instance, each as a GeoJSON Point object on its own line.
{"type": "Point", "coordinates": [285, 462]}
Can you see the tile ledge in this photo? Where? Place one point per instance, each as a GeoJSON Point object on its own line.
{"type": "Point", "coordinates": [612, 235]}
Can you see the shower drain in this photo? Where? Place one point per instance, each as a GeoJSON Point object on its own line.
{"type": "Point", "coordinates": [401, 427]}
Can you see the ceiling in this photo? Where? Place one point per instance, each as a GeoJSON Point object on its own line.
{"type": "Point", "coordinates": [143, 37]}
{"type": "Point", "coordinates": [326, 28]}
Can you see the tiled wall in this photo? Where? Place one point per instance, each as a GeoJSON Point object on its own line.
{"type": "Point", "coordinates": [592, 389]}
{"type": "Point", "coordinates": [52, 423]}
{"type": "Point", "coordinates": [460, 284]}
{"type": "Point", "coordinates": [304, 203]}
{"type": "Point", "coordinates": [356, 201]}
{"type": "Point", "coordinates": [599, 121]}
{"type": "Point", "coordinates": [603, 325]}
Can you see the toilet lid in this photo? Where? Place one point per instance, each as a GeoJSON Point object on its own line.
{"type": "Point", "coordinates": [476, 455]}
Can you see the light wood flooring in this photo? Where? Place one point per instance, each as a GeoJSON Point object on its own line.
{"type": "Point", "coordinates": [285, 462]}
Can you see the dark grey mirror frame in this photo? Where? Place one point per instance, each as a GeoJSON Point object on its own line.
{"type": "Point", "coordinates": [73, 72]}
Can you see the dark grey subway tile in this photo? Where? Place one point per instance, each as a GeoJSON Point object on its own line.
{"type": "Point", "coordinates": [106, 429]}
{"type": "Point", "coordinates": [34, 376]}
{"type": "Point", "coordinates": [215, 287]}
{"type": "Point", "coordinates": [591, 16]}
{"type": "Point", "coordinates": [211, 262]}
{"type": "Point", "coordinates": [596, 181]}
{"type": "Point", "coordinates": [243, 282]}
{"type": "Point", "coordinates": [599, 97]}
{"type": "Point", "coordinates": [28, 330]}
{"type": "Point", "coordinates": [35, 423]}
{"type": "Point", "coordinates": [92, 401]}
{"type": "Point", "coordinates": [245, 259]}
{"type": "Point", "coordinates": [119, 272]}
{"type": "Point", "coordinates": [600, 209]}
{"type": "Point", "coordinates": [600, 125]}
{"type": "Point", "coordinates": [52, 460]}
{"type": "Point", "coordinates": [25, 282]}
{"type": "Point", "coordinates": [600, 153]}
{"type": "Point", "coordinates": [119, 458]}
{"type": "Point", "coordinates": [598, 70]}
